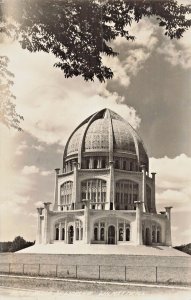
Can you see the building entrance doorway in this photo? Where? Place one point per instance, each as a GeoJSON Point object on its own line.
{"type": "Point", "coordinates": [111, 235]}
{"type": "Point", "coordinates": [147, 237]}
{"type": "Point", "coordinates": [70, 235]}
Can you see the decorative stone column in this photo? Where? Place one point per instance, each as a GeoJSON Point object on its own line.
{"type": "Point", "coordinates": [66, 231]}
{"type": "Point", "coordinates": [60, 231]}
{"type": "Point", "coordinates": [99, 235]}
{"type": "Point", "coordinates": [168, 226]}
{"type": "Point", "coordinates": [39, 228]}
{"type": "Point", "coordinates": [46, 223]}
{"type": "Point", "coordinates": [86, 223]}
{"type": "Point", "coordinates": [153, 193]}
{"type": "Point", "coordinates": [139, 240]}
{"type": "Point", "coordinates": [74, 190]}
{"type": "Point", "coordinates": [143, 186]}
{"type": "Point", "coordinates": [124, 231]}
{"type": "Point", "coordinates": [57, 170]}
{"type": "Point", "coordinates": [111, 185]}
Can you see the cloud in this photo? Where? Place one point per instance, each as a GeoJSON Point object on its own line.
{"type": "Point", "coordinates": [28, 170]}
{"type": "Point", "coordinates": [52, 113]}
{"type": "Point", "coordinates": [38, 147]}
{"type": "Point", "coordinates": [176, 55]}
{"type": "Point", "coordinates": [39, 204]}
{"type": "Point", "coordinates": [135, 54]}
{"type": "Point", "coordinates": [20, 149]}
{"type": "Point", "coordinates": [177, 52]}
{"type": "Point", "coordinates": [45, 173]}
{"type": "Point", "coordinates": [173, 181]}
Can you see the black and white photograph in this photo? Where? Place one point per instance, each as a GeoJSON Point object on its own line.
{"type": "Point", "coordinates": [95, 149]}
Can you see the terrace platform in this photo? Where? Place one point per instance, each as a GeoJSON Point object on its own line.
{"type": "Point", "coordinates": [62, 248]}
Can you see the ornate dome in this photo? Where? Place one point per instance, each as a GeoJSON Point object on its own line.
{"type": "Point", "coordinates": [106, 132]}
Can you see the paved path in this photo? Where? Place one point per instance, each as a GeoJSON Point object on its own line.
{"type": "Point", "coordinates": [101, 291]}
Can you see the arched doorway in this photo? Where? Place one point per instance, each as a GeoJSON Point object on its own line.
{"type": "Point", "coordinates": [57, 233]}
{"type": "Point", "coordinates": [147, 237]}
{"type": "Point", "coordinates": [111, 234]}
{"type": "Point", "coordinates": [70, 234]}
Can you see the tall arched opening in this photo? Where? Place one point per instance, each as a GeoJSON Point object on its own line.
{"type": "Point", "coordinates": [111, 235]}
{"type": "Point", "coordinates": [70, 235]}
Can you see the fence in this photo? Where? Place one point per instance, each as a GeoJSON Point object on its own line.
{"type": "Point", "coordinates": [157, 274]}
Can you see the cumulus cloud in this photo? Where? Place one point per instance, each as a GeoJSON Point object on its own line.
{"type": "Point", "coordinates": [51, 114]}
{"type": "Point", "coordinates": [134, 55]}
{"type": "Point", "coordinates": [177, 52]}
{"type": "Point", "coordinates": [173, 181]}
{"type": "Point", "coordinates": [28, 170]}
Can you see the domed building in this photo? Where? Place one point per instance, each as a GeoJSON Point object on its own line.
{"type": "Point", "coordinates": [103, 192]}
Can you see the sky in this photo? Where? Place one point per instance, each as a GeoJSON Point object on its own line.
{"type": "Point", "coordinates": [151, 89]}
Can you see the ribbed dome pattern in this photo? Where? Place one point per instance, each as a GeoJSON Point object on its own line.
{"type": "Point", "coordinates": [106, 131]}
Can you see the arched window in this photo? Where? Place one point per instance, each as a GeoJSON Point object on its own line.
{"type": "Point", "coordinates": [57, 233]}
{"type": "Point", "coordinates": [95, 233]}
{"type": "Point", "coordinates": [63, 234]}
{"type": "Point", "coordinates": [153, 234]}
{"type": "Point", "coordinates": [77, 234]}
{"type": "Point", "coordinates": [126, 194]}
{"type": "Point", "coordinates": [148, 193]}
{"type": "Point", "coordinates": [127, 234]}
{"type": "Point", "coordinates": [124, 165]}
{"type": "Point", "coordinates": [94, 190]}
{"type": "Point", "coordinates": [158, 235]}
{"type": "Point", "coordinates": [66, 193]}
{"type": "Point", "coordinates": [81, 233]}
{"type": "Point", "coordinates": [102, 234]}
{"type": "Point", "coordinates": [120, 234]}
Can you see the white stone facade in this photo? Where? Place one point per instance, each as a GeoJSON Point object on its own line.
{"type": "Point", "coordinates": [104, 194]}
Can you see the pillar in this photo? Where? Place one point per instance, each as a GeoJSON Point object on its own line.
{"type": "Point", "coordinates": [39, 229]}
{"type": "Point", "coordinates": [46, 223]}
{"type": "Point", "coordinates": [99, 235]}
{"type": "Point", "coordinates": [57, 170]}
{"type": "Point", "coordinates": [153, 205]}
{"type": "Point", "coordinates": [117, 232]}
{"type": "Point", "coordinates": [168, 226]}
{"type": "Point", "coordinates": [111, 185]}
{"type": "Point", "coordinates": [60, 231]}
{"type": "Point", "coordinates": [143, 186]}
{"type": "Point", "coordinates": [86, 223]}
{"type": "Point", "coordinates": [74, 190]}
{"type": "Point", "coordinates": [66, 231]}
{"type": "Point", "coordinates": [124, 231]}
{"type": "Point", "coordinates": [139, 240]}
{"type": "Point", "coordinates": [80, 236]}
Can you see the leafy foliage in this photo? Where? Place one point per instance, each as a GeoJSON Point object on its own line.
{"type": "Point", "coordinates": [17, 244]}
{"type": "Point", "coordinates": [184, 248]}
{"type": "Point", "coordinates": [8, 114]}
{"type": "Point", "coordinates": [78, 32]}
